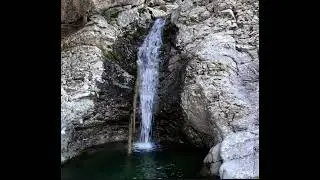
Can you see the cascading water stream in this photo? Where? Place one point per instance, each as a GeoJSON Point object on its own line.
{"type": "Point", "coordinates": [148, 68]}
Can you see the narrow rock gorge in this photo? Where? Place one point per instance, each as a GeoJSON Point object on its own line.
{"type": "Point", "coordinates": [208, 91]}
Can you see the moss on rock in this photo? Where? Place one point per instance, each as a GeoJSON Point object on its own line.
{"type": "Point", "coordinates": [125, 49]}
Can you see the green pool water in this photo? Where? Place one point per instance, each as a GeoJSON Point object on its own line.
{"type": "Point", "coordinates": [112, 163]}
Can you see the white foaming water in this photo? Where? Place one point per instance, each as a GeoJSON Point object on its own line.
{"type": "Point", "coordinates": [148, 64]}
{"type": "Point", "coordinates": [142, 145]}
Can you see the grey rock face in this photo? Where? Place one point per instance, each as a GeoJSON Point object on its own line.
{"type": "Point", "coordinates": [243, 168]}
{"type": "Point", "coordinates": [215, 167]}
{"type": "Point", "coordinates": [142, 14]}
{"type": "Point", "coordinates": [95, 92]}
{"type": "Point", "coordinates": [214, 159]}
{"type": "Point", "coordinates": [213, 155]}
{"type": "Point", "coordinates": [214, 84]}
{"type": "Point", "coordinates": [221, 86]}
{"type": "Point", "coordinates": [151, 3]}
{"type": "Point", "coordinates": [73, 10]}
{"type": "Point", "coordinates": [105, 4]}
{"type": "Point", "coordinates": [156, 13]}
{"type": "Point", "coordinates": [239, 145]}
{"type": "Point", "coordinates": [96, 33]}
{"type": "Point", "coordinates": [240, 154]}
{"type": "Point", "coordinates": [127, 17]}
{"type": "Point", "coordinates": [76, 13]}
{"type": "Point", "coordinates": [219, 76]}
{"type": "Point", "coordinates": [98, 73]}
{"type": "Point", "coordinates": [169, 8]}
{"type": "Point", "coordinates": [209, 81]}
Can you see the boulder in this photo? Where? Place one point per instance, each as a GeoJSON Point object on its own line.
{"type": "Point", "coordinates": [239, 145]}
{"type": "Point", "coordinates": [127, 17]}
{"type": "Point", "coordinates": [213, 155]}
{"type": "Point", "coordinates": [214, 159]}
{"type": "Point", "coordinates": [152, 3]}
{"type": "Point", "coordinates": [242, 168]}
{"type": "Point", "coordinates": [156, 13]}
{"type": "Point", "coordinates": [214, 168]}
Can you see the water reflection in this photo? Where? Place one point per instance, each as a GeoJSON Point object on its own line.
{"type": "Point", "coordinates": [147, 167]}
{"type": "Point", "coordinates": [114, 164]}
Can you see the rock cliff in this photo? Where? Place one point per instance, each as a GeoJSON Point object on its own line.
{"type": "Point", "coordinates": [209, 81]}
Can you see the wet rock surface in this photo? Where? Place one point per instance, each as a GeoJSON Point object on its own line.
{"type": "Point", "coordinates": [208, 86]}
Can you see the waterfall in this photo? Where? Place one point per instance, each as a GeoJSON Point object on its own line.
{"type": "Point", "coordinates": [148, 68]}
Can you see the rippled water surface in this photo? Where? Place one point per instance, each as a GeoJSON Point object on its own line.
{"type": "Point", "coordinates": [112, 163]}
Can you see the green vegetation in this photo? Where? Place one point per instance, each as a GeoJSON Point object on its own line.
{"type": "Point", "coordinates": [112, 56]}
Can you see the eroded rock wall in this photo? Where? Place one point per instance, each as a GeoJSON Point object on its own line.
{"type": "Point", "coordinates": [220, 97]}
{"type": "Point", "coordinates": [94, 90]}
